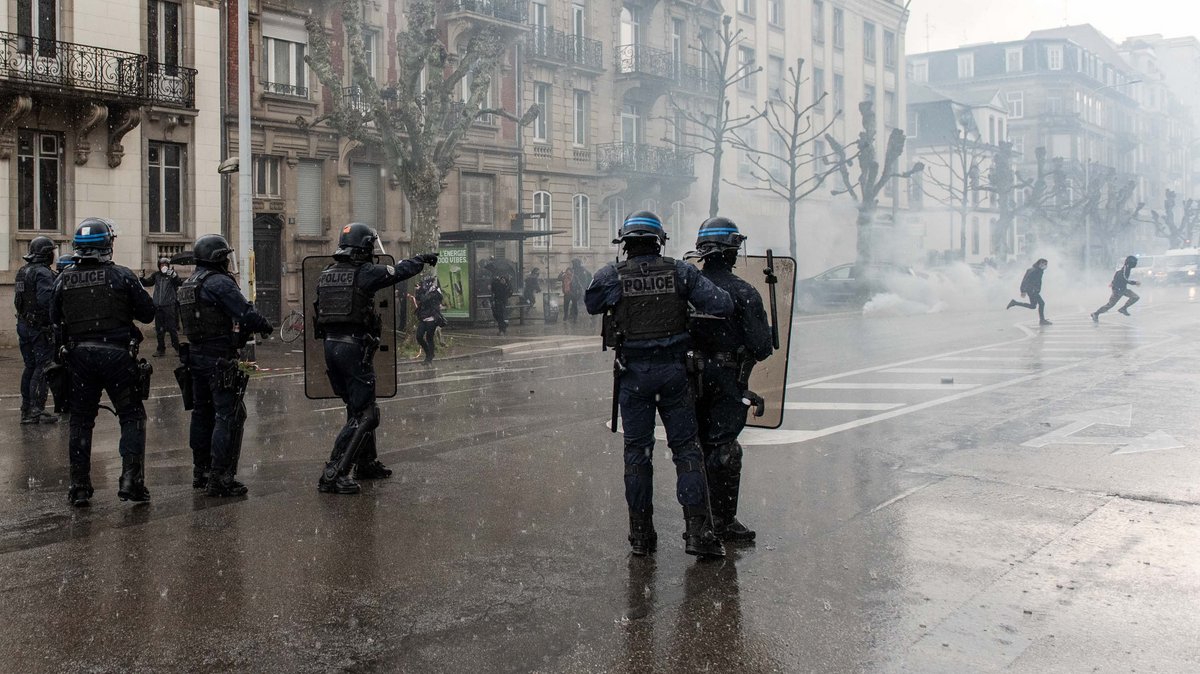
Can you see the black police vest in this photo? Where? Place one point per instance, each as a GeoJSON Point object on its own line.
{"type": "Point", "coordinates": [650, 305]}
{"type": "Point", "coordinates": [26, 298]}
{"type": "Point", "coordinates": [202, 320]}
{"type": "Point", "coordinates": [341, 302]}
{"type": "Point", "coordinates": [90, 303]}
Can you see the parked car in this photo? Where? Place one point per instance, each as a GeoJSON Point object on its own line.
{"type": "Point", "coordinates": [1180, 265]}
{"type": "Point", "coordinates": [845, 285]}
{"type": "Point", "coordinates": [1150, 270]}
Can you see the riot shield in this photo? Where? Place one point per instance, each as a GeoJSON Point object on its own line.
{"type": "Point", "coordinates": [316, 382]}
{"type": "Point", "coordinates": [769, 378]}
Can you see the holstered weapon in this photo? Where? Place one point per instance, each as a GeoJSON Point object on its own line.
{"type": "Point", "coordinates": [144, 371]}
{"type": "Point", "coordinates": [183, 376]}
{"type": "Point", "coordinates": [618, 369]}
{"type": "Point", "coordinates": [58, 378]}
{"type": "Point", "coordinates": [612, 338]}
{"type": "Point", "coordinates": [752, 399]}
{"type": "Point", "coordinates": [694, 363]}
{"type": "Point", "coordinates": [772, 280]}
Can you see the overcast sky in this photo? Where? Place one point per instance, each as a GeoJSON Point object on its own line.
{"type": "Point", "coordinates": [952, 23]}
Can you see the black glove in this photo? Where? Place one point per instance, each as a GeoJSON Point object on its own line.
{"type": "Point", "coordinates": [428, 258]}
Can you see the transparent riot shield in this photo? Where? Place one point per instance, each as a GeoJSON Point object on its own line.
{"type": "Point", "coordinates": [316, 382]}
{"type": "Point", "coordinates": [769, 378]}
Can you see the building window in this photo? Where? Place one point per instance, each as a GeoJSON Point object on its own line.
{"type": "Point", "coordinates": [162, 33]}
{"type": "Point", "coordinates": [581, 221]}
{"type": "Point", "coordinates": [839, 93]}
{"type": "Point", "coordinates": [775, 80]}
{"type": "Point", "coordinates": [364, 193]}
{"type": "Point", "coordinates": [869, 92]}
{"type": "Point", "coordinates": [775, 13]}
{"type": "Point", "coordinates": [1014, 60]}
{"type": "Point", "coordinates": [616, 214]}
{"type": "Point", "coordinates": [914, 124]}
{"type": "Point", "coordinates": [1016, 104]}
{"type": "Point", "coordinates": [39, 181]}
{"type": "Point", "coordinates": [580, 135]}
{"type": "Point", "coordinates": [818, 21]}
{"type": "Point", "coordinates": [281, 62]}
{"type": "Point", "coordinates": [477, 199]}
{"type": "Point", "coordinates": [165, 162]}
{"type": "Point", "coordinates": [266, 176]}
{"type": "Point", "coordinates": [370, 51]}
{"type": "Point", "coordinates": [37, 21]}
{"type": "Point", "coordinates": [918, 71]}
{"type": "Point", "coordinates": [485, 101]}
{"type": "Point", "coordinates": [916, 190]}
{"type": "Point", "coordinates": [744, 65]}
{"type": "Point", "coordinates": [578, 20]}
{"type": "Point", "coordinates": [675, 221]}
{"type": "Point", "coordinates": [746, 7]}
{"type": "Point", "coordinates": [839, 28]}
{"type": "Point", "coordinates": [542, 205]}
{"type": "Point", "coordinates": [889, 50]}
{"type": "Point", "coordinates": [818, 83]}
{"type": "Point", "coordinates": [746, 166]}
{"type": "Point", "coordinates": [1054, 57]}
{"type": "Point", "coordinates": [966, 66]}
{"type": "Point", "coordinates": [868, 42]}
{"type": "Point", "coordinates": [677, 30]}
{"type": "Point", "coordinates": [541, 125]}
{"type": "Point", "coordinates": [309, 199]}
{"type": "Point", "coordinates": [890, 112]}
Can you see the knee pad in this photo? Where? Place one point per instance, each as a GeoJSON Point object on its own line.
{"type": "Point", "coordinates": [639, 470]}
{"type": "Point", "coordinates": [369, 419]}
{"type": "Point", "coordinates": [689, 466]}
{"type": "Point", "coordinates": [729, 455]}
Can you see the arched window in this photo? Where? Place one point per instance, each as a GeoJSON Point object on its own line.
{"type": "Point", "coordinates": [542, 205]}
{"type": "Point", "coordinates": [616, 211]}
{"type": "Point", "coordinates": [581, 220]}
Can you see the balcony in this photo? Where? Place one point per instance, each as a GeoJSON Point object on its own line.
{"type": "Point", "coordinates": [695, 78]}
{"type": "Point", "coordinates": [64, 67]}
{"type": "Point", "coordinates": [556, 46]}
{"type": "Point", "coordinates": [636, 59]}
{"type": "Point", "coordinates": [353, 98]}
{"type": "Point", "coordinates": [509, 11]}
{"type": "Point", "coordinates": [637, 158]}
{"type": "Point", "coordinates": [285, 89]}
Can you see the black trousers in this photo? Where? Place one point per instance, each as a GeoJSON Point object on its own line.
{"type": "Point", "coordinates": [97, 369]}
{"type": "Point", "coordinates": [1116, 297]}
{"type": "Point", "coordinates": [166, 323]}
{"type": "Point", "coordinates": [425, 338]}
{"type": "Point", "coordinates": [1035, 302]}
{"type": "Point", "coordinates": [352, 377]}
{"type": "Point", "coordinates": [37, 353]}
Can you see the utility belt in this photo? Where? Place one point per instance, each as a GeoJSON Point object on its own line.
{"type": "Point", "coordinates": [59, 374]}
{"type": "Point", "coordinates": [730, 359]}
{"type": "Point", "coordinates": [660, 356]}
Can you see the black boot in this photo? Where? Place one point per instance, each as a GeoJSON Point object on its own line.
{"type": "Point", "coordinates": [332, 483]}
{"type": "Point", "coordinates": [730, 530]}
{"type": "Point", "coordinates": [698, 537]}
{"type": "Point", "coordinates": [30, 415]}
{"type": "Point", "coordinates": [373, 470]}
{"type": "Point", "coordinates": [80, 491]}
{"type": "Point", "coordinates": [221, 483]}
{"type": "Point", "coordinates": [200, 477]}
{"type": "Point", "coordinates": [131, 486]}
{"type": "Point", "coordinates": [643, 540]}
{"type": "Point", "coordinates": [24, 412]}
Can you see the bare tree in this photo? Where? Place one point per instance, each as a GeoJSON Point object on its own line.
{"type": "Point", "coordinates": [1116, 217]}
{"type": "Point", "coordinates": [1002, 183]}
{"type": "Point", "coordinates": [954, 170]}
{"type": "Point", "coordinates": [872, 176]}
{"type": "Point", "coordinates": [788, 167]}
{"type": "Point", "coordinates": [1042, 193]}
{"type": "Point", "coordinates": [421, 119]}
{"type": "Point", "coordinates": [706, 132]}
{"type": "Point", "coordinates": [1176, 228]}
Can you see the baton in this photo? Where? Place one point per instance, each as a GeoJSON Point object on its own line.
{"type": "Point", "coordinates": [769, 272]}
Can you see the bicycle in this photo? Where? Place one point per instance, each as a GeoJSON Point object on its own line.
{"type": "Point", "coordinates": [292, 327]}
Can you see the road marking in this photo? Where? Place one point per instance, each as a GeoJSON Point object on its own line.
{"type": "Point", "coordinates": [1120, 416]}
{"type": "Point", "coordinates": [888, 386]}
{"type": "Point", "coordinates": [873, 407]}
{"type": "Point", "coordinates": [580, 374]}
{"type": "Point", "coordinates": [958, 370]}
{"type": "Point", "coordinates": [1004, 359]}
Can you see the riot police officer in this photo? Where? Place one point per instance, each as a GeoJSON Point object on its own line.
{"type": "Point", "coordinates": [218, 321]}
{"type": "Point", "coordinates": [94, 306]}
{"type": "Point", "coordinates": [31, 297]}
{"type": "Point", "coordinates": [645, 299]}
{"type": "Point", "coordinates": [346, 319]}
{"type": "Point", "coordinates": [729, 348]}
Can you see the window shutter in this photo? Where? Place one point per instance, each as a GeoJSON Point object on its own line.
{"type": "Point", "coordinates": [309, 182]}
{"type": "Point", "coordinates": [364, 188]}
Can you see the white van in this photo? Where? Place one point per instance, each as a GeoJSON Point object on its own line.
{"type": "Point", "coordinates": [1178, 265]}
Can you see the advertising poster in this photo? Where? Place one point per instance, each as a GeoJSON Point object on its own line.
{"type": "Point", "coordinates": [454, 276]}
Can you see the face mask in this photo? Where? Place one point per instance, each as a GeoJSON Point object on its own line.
{"type": "Point", "coordinates": [164, 269]}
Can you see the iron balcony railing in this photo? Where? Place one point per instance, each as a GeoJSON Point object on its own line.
{"type": "Point", "coordinates": [636, 59]}
{"type": "Point", "coordinates": [695, 78]}
{"type": "Point", "coordinates": [644, 159]}
{"type": "Point", "coordinates": [286, 89]}
{"type": "Point", "coordinates": [354, 98]}
{"type": "Point", "coordinates": [107, 72]}
{"type": "Point", "coordinates": [555, 45]}
{"type": "Point", "coordinates": [513, 11]}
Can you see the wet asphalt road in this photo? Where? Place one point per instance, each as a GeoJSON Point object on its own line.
{"type": "Point", "coordinates": [992, 523]}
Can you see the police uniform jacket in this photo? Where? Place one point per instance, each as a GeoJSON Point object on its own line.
{"type": "Point", "coordinates": [747, 328]}
{"type": "Point", "coordinates": [111, 298]}
{"type": "Point", "coordinates": [220, 290]}
{"type": "Point", "coordinates": [34, 293]}
{"type": "Point", "coordinates": [371, 278]}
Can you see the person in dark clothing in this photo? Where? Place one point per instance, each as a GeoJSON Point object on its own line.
{"type": "Point", "coordinates": [218, 322]}
{"type": "Point", "coordinates": [165, 281]}
{"type": "Point", "coordinates": [533, 286]}
{"type": "Point", "coordinates": [645, 299]}
{"type": "Point", "coordinates": [32, 296]}
{"type": "Point", "coordinates": [501, 291]}
{"type": "Point", "coordinates": [730, 348]}
{"type": "Point", "coordinates": [1120, 288]}
{"type": "Point", "coordinates": [580, 280]}
{"type": "Point", "coordinates": [1031, 287]}
{"type": "Point", "coordinates": [348, 322]}
{"type": "Point", "coordinates": [93, 309]}
{"type": "Point", "coordinates": [428, 298]}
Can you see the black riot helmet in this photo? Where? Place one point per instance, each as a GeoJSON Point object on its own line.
{"type": "Point", "coordinates": [212, 250]}
{"type": "Point", "coordinates": [1131, 261]}
{"type": "Point", "coordinates": [641, 225]}
{"type": "Point", "coordinates": [94, 238]}
{"type": "Point", "coordinates": [356, 241]}
{"type": "Point", "coordinates": [41, 249]}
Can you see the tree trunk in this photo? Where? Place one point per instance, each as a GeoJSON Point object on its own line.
{"type": "Point", "coordinates": [793, 248]}
{"type": "Point", "coordinates": [866, 218]}
{"type": "Point", "coordinates": [714, 195]}
{"type": "Point", "coordinates": [425, 231]}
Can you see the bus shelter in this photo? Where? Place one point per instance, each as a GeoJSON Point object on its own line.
{"type": "Point", "coordinates": [468, 260]}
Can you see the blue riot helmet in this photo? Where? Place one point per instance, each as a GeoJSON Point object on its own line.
{"type": "Point", "coordinates": [64, 263]}
{"type": "Point", "coordinates": [94, 238]}
{"type": "Point", "coordinates": [642, 224]}
{"type": "Point", "coordinates": [718, 235]}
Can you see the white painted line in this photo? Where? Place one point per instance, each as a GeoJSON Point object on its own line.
{"type": "Point", "coordinates": [887, 386]}
{"type": "Point", "coordinates": [580, 374]}
{"type": "Point", "coordinates": [958, 370]}
{"type": "Point", "coordinates": [1003, 359]}
{"type": "Point", "coordinates": [873, 407]}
